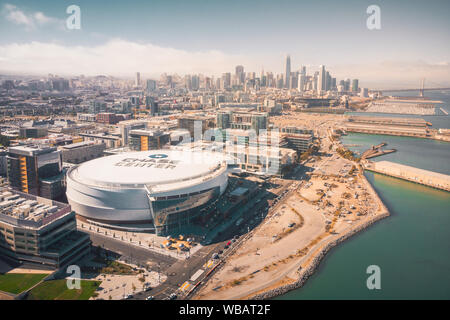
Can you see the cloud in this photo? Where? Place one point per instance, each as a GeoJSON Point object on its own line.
{"type": "Point", "coordinates": [116, 57]}
{"type": "Point", "coordinates": [29, 20]}
{"type": "Point", "coordinates": [123, 58]}
{"type": "Point", "coordinates": [397, 74]}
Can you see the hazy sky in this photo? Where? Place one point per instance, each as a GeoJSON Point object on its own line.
{"type": "Point", "coordinates": [207, 36]}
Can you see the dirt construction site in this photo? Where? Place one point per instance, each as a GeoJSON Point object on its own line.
{"type": "Point", "coordinates": [320, 210]}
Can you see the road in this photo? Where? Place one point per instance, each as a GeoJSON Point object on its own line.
{"type": "Point", "coordinates": [134, 254]}
{"type": "Point", "coordinates": [180, 271]}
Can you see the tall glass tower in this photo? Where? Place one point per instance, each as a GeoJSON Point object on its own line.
{"type": "Point", "coordinates": [321, 82]}
{"type": "Point", "coordinates": [288, 72]}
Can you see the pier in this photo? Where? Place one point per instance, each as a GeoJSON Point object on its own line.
{"type": "Point", "coordinates": [410, 127]}
{"type": "Point", "coordinates": [444, 111]}
{"type": "Point", "coordinates": [376, 151]}
{"type": "Point", "coordinates": [420, 176]}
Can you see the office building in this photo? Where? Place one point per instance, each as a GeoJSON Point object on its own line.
{"type": "Point", "coordinates": [137, 82]}
{"type": "Point", "coordinates": [240, 75]}
{"type": "Point", "coordinates": [152, 105]}
{"type": "Point", "coordinates": [287, 75]}
{"type": "Point", "coordinates": [81, 151]}
{"type": "Point", "coordinates": [194, 123]}
{"type": "Point", "coordinates": [39, 231]}
{"type": "Point", "coordinates": [297, 139]}
{"type": "Point", "coordinates": [321, 80]}
{"type": "Point", "coordinates": [36, 170]}
{"type": "Point", "coordinates": [33, 132]}
{"type": "Point", "coordinates": [224, 119]}
{"type": "Point", "coordinates": [145, 140]}
{"type": "Point", "coordinates": [355, 85]}
{"type": "Point", "coordinates": [107, 118]}
{"type": "Point", "coordinates": [151, 86]}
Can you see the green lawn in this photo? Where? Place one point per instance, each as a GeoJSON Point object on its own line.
{"type": "Point", "coordinates": [57, 290]}
{"type": "Point", "coordinates": [18, 282]}
{"type": "Point", "coordinates": [111, 267]}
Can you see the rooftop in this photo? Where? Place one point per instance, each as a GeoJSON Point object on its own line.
{"type": "Point", "coordinates": [22, 209]}
{"type": "Point", "coordinates": [31, 150]}
{"type": "Point", "coordinates": [147, 168]}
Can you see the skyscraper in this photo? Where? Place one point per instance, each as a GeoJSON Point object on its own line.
{"type": "Point", "coordinates": [287, 76]}
{"type": "Point", "coordinates": [152, 105]}
{"type": "Point", "coordinates": [355, 85]}
{"type": "Point", "coordinates": [240, 76]}
{"type": "Point", "coordinates": [321, 81]}
{"type": "Point", "coordinates": [226, 77]}
{"type": "Point", "coordinates": [138, 79]}
{"type": "Point", "coordinates": [151, 85]}
{"type": "Point", "coordinates": [301, 82]}
{"type": "Point", "coordinates": [303, 70]}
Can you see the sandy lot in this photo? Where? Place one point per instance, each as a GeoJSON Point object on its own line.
{"type": "Point", "coordinates": [275, 251]}
{"type": "Point", "coordinates": [256, 260]}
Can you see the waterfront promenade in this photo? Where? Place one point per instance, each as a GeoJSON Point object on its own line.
{"type": "Point", "coordinates": [425, 177]}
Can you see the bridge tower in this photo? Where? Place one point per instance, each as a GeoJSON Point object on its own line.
{"type": "Point", "coordinates": [422, 87]}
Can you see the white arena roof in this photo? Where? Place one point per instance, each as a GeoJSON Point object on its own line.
{"type": "Point", "coordinates": [148, 168]}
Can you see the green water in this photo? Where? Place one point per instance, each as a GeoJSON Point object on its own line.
{"type": "Point", "coordinates": [412, 246]}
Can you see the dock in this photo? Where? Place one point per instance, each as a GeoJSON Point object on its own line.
{"type": "Point", "coordinates": [416, 175]}
{"type": "Point", "coordinates": [376, 151]}
{"type": "Point", "coordinates": [444, 111]}
{"type": "Point", "coordinates": [410, 127]}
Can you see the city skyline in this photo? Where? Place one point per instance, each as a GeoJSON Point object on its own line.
{"type": "Point", "coordinates": [178, 38]}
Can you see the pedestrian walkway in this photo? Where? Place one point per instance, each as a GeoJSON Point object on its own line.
{"type": "Point", "coordinates": [146, 241]}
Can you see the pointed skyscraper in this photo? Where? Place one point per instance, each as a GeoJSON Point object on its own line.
{"type": "Point", "coordinates": [288, 72]}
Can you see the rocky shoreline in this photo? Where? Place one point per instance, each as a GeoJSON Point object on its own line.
{"type": "Point", "coordinates": [307, 272]}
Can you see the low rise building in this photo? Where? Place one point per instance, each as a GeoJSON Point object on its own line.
{"type": "Point", "coordinates": [36, 170]}
{"type": "Point", "coordinates": [145, 140]}
{"type": "Point", "coordinates": [82, 151]}
{"type": "Point", "coordinates": [39, 231]}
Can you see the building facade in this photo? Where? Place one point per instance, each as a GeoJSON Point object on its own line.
{"type": "Point", "coordinates": [36, 170]}
{"type": "Point", "coordinates": [39, 231]}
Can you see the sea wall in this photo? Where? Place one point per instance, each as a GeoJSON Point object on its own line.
{"type": "Point", "coordinates": [307, 272]}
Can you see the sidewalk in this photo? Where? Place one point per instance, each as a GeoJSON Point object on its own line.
{"type": "Point", "coordinates": [148, 241]}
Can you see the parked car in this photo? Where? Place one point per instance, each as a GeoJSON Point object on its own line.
{"type": "Point", "coordinates": [172, 296]}
{"type": "Point", "coordinates": [150, 298]}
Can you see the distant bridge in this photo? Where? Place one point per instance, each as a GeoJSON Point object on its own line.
{"type": "Point", "coordinates": [404, 90]}
{"type": "Point", "coordinates": [421, 89]}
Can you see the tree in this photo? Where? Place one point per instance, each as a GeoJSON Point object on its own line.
{"type": "Point", "coordinates": [4, 141]}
